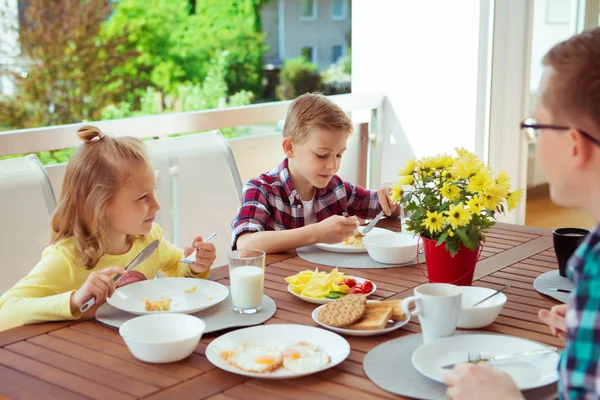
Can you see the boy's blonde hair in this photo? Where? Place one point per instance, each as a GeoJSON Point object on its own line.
{"type": "Point", "coordinates": [575, 89]}
{"type": "Point", "coordinates": [313, 110]}
{"type": "Point", "coordinates": [97, 169]}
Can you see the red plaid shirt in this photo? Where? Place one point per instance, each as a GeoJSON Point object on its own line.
{"type": "Point", "coordinates": [270, 203]}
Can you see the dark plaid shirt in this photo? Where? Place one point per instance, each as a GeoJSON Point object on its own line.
{"type": "Point", "coordinates": [270, 203]}
{"type": "Point", "coordinates": [580, 360]}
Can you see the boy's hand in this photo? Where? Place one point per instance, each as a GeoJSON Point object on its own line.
{"type": "Point", "coordinates": [99, 284]}
{"type": "Point", "coordinates": [336, 229]}
{"type": "Point", "coordinates": [205, 255]}
{"type": "Point", "coordinates": [478, 381]}
{"type": "Point", "coordinates": [555, 319]}
{"type": "Point", "coordinates": [385, 200]}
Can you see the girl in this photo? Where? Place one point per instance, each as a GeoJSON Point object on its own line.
{"type": "Point", "coordinates": [103, 220]}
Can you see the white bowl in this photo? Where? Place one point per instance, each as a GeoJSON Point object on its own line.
{"type": "Point", "coordinates": [162, 338]}
{"type": "Point", "coordinates": [485, 313]}
{"type": "Point", "coordinates": [391, 248]}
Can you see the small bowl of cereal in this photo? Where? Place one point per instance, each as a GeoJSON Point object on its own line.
{"type": "Point", "coordinates": [162, 338]}
{"type": "Point", "coordinates": [391, 248]}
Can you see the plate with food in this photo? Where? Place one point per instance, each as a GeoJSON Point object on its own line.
{"type": "Point", "coordinates": [180, 295]}
{"type": "Point", "coordinates": [352, 244]}
{"type": "Point", "coordinates": [277, 351]}
{"type": "Point", "coordinates": [357, 316]}
{"type": "Point", "coordinates": [320, 287]}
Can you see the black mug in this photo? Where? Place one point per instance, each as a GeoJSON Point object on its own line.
{"type": "Point", "coordinates": [566, 240]}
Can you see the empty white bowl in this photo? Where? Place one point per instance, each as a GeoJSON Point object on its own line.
{"type": "Point", "coordinates": [162, 338]}
{"type": "Point", "coordinates": [391, 248]}
{"type": "Point", "coordinates": [485, 313]}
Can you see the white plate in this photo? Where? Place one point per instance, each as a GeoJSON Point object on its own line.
{"type": "Point", "coordinates": [132, 298]}
{"type": "Point", "coordinates": [528, 372]}
{"type": "Point", "coordinates": [325, 301]}
{"type": "Point", "coordinates": [279, 336]}
{"type": "Point", "coordinates": [391, 326]}
{"type": "Point", "coordinates": [341, 248]}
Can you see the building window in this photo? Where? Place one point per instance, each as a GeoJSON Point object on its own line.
{"type": "Point", "coordinates": [338, 51]}
{"type": "Point", "coordinates": [339, 10]}
{"type": "Point", "coordinates": [309, 53]}
{"type": "Point", "coordinates": [308, 10]}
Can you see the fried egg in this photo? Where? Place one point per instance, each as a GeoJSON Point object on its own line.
{"type": "Point", "coordinates": [259, 358]}
{"type": "Point", "coordinates": [304, 357]}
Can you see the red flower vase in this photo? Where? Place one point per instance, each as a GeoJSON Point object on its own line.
{"type": "Point", "coordinates": [443, 268]}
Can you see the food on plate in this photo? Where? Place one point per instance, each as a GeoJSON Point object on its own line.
{"type": "Point", "coordinates": [374, 316]}
{"type": "Point", "coordinates": [333, 285]}
{"type": "Point", "coordinates": [353, 241]}
{"type": "Point", "coordinates": [252, 357]}
{"type": "Point", "coordinates": [301, 357]}
{"type": "Point", "coordinates": [161, 305]}
{"type": "Point", "coordinates": [131, 277]}
{"type": "Point", "coordinates": [304, 357]}
{"type": "Point", "coordinates": [191, 290]}
{"type": "Point", "coordinates": [344, 311]}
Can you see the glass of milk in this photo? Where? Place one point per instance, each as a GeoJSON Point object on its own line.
{"type": "Point", "coordinates": [247, 278]}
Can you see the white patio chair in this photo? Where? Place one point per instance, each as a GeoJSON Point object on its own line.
{"type": "Point", "coordinates": [203, 192]}
{"type": "Point", "coordinates": [27, 202]}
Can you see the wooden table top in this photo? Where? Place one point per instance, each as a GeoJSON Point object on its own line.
{"type": "Point", "coordinates": [86, 359]}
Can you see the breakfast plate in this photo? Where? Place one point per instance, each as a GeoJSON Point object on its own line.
{"type": "Point", "coordinates": [527, 372]}
{"type": "Point", "coordinates": [323, 300]}
{"type": "Point", "coordinates": [263, 347]}
{"type": "Point", "coordinates": [187, 295]}
{"type": "Point", "coordinates": [390, 327]}
{"type": "Point", "coordinates": [342, 248]}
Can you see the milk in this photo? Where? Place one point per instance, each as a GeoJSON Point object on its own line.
{"type": "Point", "coordinates": [247, 286]}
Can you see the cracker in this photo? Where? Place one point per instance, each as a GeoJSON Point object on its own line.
{"type": "Point", "coordinates": [344, 311]}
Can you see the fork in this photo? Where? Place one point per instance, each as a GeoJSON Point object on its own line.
{"type": "Point", "coordinates": [475, 356]}
{"type": "Point", "coordinates": [357, 234]}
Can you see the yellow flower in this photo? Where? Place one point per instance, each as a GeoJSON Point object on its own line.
{"type": "Point", "coordinates": [503, 180]}
{"type": "Point", "coordinates": [451, 233]}
{"type": "Point", "coordinates": [451, 192]}
{"type": "Point", "coordinates": [513, 199]}
{"type": "Point", "coordinates": [434, 222]}
{"type": "Point", "coordinates": [458, 216]}
{"type": "Point", "coordinates": [409, 167]}
{"type": "Point", "coordinates": [462, 152]}
{"type": "Point", "coordinates": [396, 193]}
{"type": "Point", "coordinates": [465, 167]}
{"type": "Point", "coordinates": [406, 180]}
{"type": "Point", "coordinates": [479, 182]}
{"type": "Point", "coordinates": [475, 205]}
{"type": "Point", "coordinates": [493, 195]}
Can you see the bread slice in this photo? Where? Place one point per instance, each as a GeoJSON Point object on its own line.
{"type": "Point", "coordinates": [397, 314]}
{"type": "Point", "coordinates": [375, 317]}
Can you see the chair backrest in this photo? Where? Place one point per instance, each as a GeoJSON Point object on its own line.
{"type": "Point", "coordinates": [203, 191]}
{"type": "Point", "coordinates": [27, 202]}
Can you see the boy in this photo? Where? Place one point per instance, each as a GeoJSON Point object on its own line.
{"type": "Point", "coordinates": [302, 201]}
{"type": "Point", "coordinates": [566, 124]}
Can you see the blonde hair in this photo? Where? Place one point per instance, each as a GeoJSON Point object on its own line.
{"type": "Point", "coordinates": [313, 110]}
{"type": "Point", "coordinates": [575, 90]}
{"type": "Point", "coordinates": [97, 169]}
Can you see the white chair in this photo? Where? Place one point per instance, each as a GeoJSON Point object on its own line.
{"type": "Point", "coordinates": [203, 192]}
{"type": "Point", "coordinates": [26, 204]}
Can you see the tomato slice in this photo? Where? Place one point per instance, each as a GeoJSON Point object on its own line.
{"type": "Point", "coordinates": [356, 290]}
{"type": "Point", "coordinates": [367, 287]}
{"type": "Point", "coordinates": [350, 282]}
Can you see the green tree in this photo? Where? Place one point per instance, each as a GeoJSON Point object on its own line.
{"type": "Point", "coordinates": [177, 45]}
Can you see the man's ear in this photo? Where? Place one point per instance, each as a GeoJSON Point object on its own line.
{"type": "Point", "coordinates": [581, 149]}
{"type": "Point", "coordinates": [288, 147]}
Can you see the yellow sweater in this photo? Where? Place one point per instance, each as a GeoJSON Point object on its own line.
{"type": "Point", "coordinates": [45, 293]}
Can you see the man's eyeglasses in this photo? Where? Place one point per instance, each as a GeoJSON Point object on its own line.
{"type": "Point", "coordinates": [533, 130]}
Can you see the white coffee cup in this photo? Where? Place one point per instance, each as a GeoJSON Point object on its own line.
{"type": "Point", "coordinates": [438, 307]}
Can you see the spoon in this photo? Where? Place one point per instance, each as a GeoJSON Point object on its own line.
{"type": "Point", "coordinates": [490, 296]}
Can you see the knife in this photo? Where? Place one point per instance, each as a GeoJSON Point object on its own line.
{"type": "Point", "coordinates": [372, 224]}
{"type": "Point", "coordinates": [144, 254]}
{"type": "Point", "coordinates": [559, 290]}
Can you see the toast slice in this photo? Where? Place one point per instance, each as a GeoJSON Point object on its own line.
{"type": "Point", "coordinates": [375, 317]}
{"type": "Point", "coordinates": [397, 314]}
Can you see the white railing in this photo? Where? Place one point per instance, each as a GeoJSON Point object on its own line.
{"type": "Point", "coordinates": [366, 111]}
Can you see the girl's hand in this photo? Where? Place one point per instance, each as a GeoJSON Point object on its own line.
{"type": "Point", "coordinates": [99, 284]}
{"type": "Point", "coordinates": [205, 255]}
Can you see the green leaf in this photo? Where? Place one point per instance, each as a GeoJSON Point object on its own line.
{"type": "Point", "coordinates": [442, 238]}
{"type": "Point", "coordinates": [453, 246]}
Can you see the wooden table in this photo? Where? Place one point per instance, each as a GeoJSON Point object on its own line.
{"type": "Point", "coordinates": [85, 359]}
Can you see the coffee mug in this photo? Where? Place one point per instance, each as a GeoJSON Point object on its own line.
{"type": "Point", "coordinates": [566, 240]}
{"type": "Point", "coordinates": [438, 307]}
